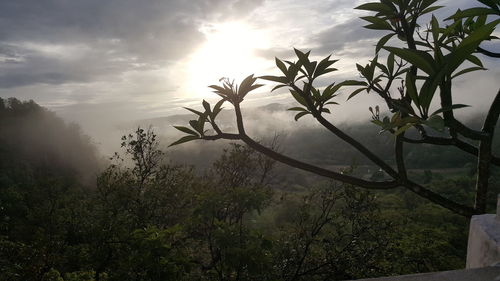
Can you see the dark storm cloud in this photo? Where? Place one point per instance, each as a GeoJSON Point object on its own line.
{"type": "Point", "coordinates": [348, 39]}
{"type": "Point", "coordinates": [339, 37]}
{"type": "Point", "coordinates": [110, 36]}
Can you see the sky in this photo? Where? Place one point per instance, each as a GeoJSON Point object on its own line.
{"type": "Point", "coordinates": [96, 62]}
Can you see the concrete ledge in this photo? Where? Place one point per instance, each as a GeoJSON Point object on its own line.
{"type": "Point", "coordinates": [484, 241]}
{"type": "Point", "coordinates": [477, 274]}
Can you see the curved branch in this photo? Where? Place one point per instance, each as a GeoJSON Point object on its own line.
{"type": "Point", "coordinates": [403, 182]}
{"type": "Point", "coordinates": [224, 136]}
{"type": "Point", "coordinates": [484, 155]}
{"type": "Point", "coordinates": [453, 124]}
{"type": "Point", "coordinates": [398, 149]}
{"type": "Point", "coordinates": [302, 165]}
{"type": "Point", "coordinates": [400, 178]}
{"type": "Point", "coordinates": [412, 186]}
{"type": "Point", "coordinates": [464, 146]}
{"type": "Point", "coordinates": [317, 170]}
{"type": "Point", "coordinates": [343, 136]}
{"type": "Point", "coordinates": [440, 200]}
{"type": "Point", "coordinates": [492, 116]}
{"type": "Point", "coordinates": [488, 53]}
{"type": "Point", "coordinates": [361, 148]}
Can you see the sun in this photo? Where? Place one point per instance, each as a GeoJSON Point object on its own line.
{"type": "Point", "coordinates": [229, 51]}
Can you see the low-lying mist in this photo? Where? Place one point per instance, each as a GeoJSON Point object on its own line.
{"type": "Point", "coordinates": [41, 138]}
{"type": "Point", "coordinates": [33, 136]}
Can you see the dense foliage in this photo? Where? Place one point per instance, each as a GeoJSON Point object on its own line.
{"type": "Point", "coordinates": [147, 219]}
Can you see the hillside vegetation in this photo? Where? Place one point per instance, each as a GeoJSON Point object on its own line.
{"type": "Point", "coordinates": [157, 220]}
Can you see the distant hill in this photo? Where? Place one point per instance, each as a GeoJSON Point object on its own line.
{"type": "Point", "coordinates": [34, 140]}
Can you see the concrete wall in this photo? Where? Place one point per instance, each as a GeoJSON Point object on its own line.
{"type": "Point", "coordinates": [476, 274]}
{"type": "Point", "coordinates": [484, 241]}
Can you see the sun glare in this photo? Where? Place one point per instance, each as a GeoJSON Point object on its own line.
{"type": "Point", "coordinates": [229, 51]}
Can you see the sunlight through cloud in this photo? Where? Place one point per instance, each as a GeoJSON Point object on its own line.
{"type": "Point", "coordinates": [228, 52]}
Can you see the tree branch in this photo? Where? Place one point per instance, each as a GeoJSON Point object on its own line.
{"type": "Point", "coordinates": [384, 185]}
{"type": "Point", "coordinates": [484, 155]}
{"type": "Point", "coordinates": [464, 146]}
{"type": "Point", "coordinates": [453, 124]}
{"type": "Point", "coordinates": [488, 53]}
{"type": "Point", "coordinates": [296, 163]}
{"type": "Point", "coordinates": [302, 165]}
{"type": "Point", "coordinates": [398, 149]}
{"type": "Point", "coordinates": [440, 200]}
{"type": "Point", "coordinates": [343, 136]}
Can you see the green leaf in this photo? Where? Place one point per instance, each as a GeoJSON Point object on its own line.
{"type": "Point", "coordinates": [247, 85]}
{"type": "Point", "coordinates": [328, 92]}
{"type": "Point", "coordinates": [377, 23]}
{"type": "Point", "coordinates": [278, 86]}
{"type": "Point", "coordinates": [194, 111]}
{"type": "Point", "coordinates": [281, 65]}
{"type": "Point", "coordinates": [449, 108]}
{"type": "Point", "coordinates": [224, 92]}
{"type": "Point", "coordinates": [360, 68]}
{"type": "Point", "coordinates": [383, 68]}
{"type": "Point", "coordinates": [206, 105]}
{"type": "Point", "coordinates": [279, 79]}
{"type": "Point", "coordinates": [293, 70]}
{"type": "Point", "coordinates": [376, 7]}
{"type": "Point", "coordinates": [297, 109]}
{"type": "Point", "coordinates": [323, 66]}
{"type": "Point", "coordinates": [435, 28]}
{"type": "Point", "coordinates": [301, 114]}
{"type": "Point", "coordinates": [196, 126]}
{"type": "Point", "coordinates": [467, 70]}
{"type": "Point", "coordinates": [316, 94]}
{"type": "Point", "coordinates": [426, 3]}
{"type": "Point", "coordinates": [428, 89]}
{"type": "Point", "coordinates": [352, 83]}
{"type": "Point", "coordinates": [253, 87]}
{"type": "Point", "coordinates": [357, 91]}
{"type": "Point", "coordinates": [184, 139]}
{"type": "Point", "coordinates": [436, 122]}
{"type": "Point", "coordinates": [420, 59]}
{"type": "Point", "coordinates": [390, 63]}
{"type": "Point", "coordinates": [430, 9]}
{"type": "Point", "coordinates": [310, 68]}
{"type": "Point", "coordinates": [186, 130]}
{"type": "Point", "coordinates": [494, 4]}
{"type": "Point", "coordinates": [378, 123]}
{"type": "Point", "coordinates": [328, 70]}
{"type": "Point", "coordinates": [395, 117]}
{"type": "Point", "coordinates": [475, 60]}
{"type": "Point", "coordinates": [473, 12]}
{"type": "Point", "coordinates": [411, 88]}
{"type": "Point", "coordinates": [217, 108]}
{"type": "Point", "coordinates": [402, 129]}
{"type": "Point", "coordinates": [468, 46]}
{"type": "Point", "coordinates": [331, 102]}
{"type": "Point", "coordinates": [298, 98]}
{"type": "Point", "coordinates": [383, 41]}
{"type": "Point", "coordinates": [303, 57]}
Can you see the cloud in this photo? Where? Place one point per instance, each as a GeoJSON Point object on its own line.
{"type": "Point", "coordinates": [57, 42]}
{"type": "Point", "coordinates": [97, 61]}
{"type": "Point", "coordinates": [342, 37]}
